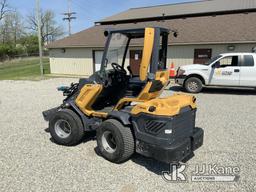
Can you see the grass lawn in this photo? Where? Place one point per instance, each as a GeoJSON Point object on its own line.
{"type": "Point", "coordinates": [25, 69]}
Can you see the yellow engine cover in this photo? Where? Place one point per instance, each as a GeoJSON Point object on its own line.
{"type": "Point", "coordinates": [169, 106]}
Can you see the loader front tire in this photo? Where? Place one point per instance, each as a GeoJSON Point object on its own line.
{"type": "Point", "coordinates": [66, 128]}
{"type": "Point", "coordinates": [115, 141]}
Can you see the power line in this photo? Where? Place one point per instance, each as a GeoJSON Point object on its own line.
{"type": "Point", "coordinates": [83, 10]}
{"type": "Point", "coordinates": [69, 16]}
{"type": "Point", "coordinates": [86, 6]}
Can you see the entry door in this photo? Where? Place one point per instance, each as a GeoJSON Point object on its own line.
{"type": "Point", "coordinates": [97, 59]}
{"type": "Point", "coordinates": [135, 60]}
{"type": "Point", "coordinates": [201, 56]}
{"type": "Point", "coordinates": [226, 71]}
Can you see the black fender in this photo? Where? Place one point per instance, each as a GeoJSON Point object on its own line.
{"type": "Point", "coordinates": [85, 120]}
{"type": "Point", "coordinates": [49, 113]}
{"type": "Point", "coordinates": [121, 116]}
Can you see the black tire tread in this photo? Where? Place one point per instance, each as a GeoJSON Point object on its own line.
{"type": "Point", "coordinates": [194, 78]}
{"type": "Point", "coordinates": [127, 138]}
{"type": "Point", "coordinates": [79, 130]}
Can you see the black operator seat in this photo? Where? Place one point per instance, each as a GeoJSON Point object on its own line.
{"type": "Point", "coordinates": [135, 85]}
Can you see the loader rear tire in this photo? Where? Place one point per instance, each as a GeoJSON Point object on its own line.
{"type": "Point", "coordinates": [115, 141]}
{"type": "Point", "coordinates": [66, 128]}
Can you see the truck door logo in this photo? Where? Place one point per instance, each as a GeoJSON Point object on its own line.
{"type": "Point", "coordinates": [224, 73]}
{"type": "Point", "coordinates": [218, 72]}
{"type": "Point", "coordinates": [227, 73]}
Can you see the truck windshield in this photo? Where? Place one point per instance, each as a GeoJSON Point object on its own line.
{"type": "Point", "coordinates": [116, 50]}
{"type": "Point", "coordinates": [212, 60]}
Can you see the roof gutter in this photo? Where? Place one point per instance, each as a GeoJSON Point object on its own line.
{"type": "Point", "coordinates": [213, 43]}
{"type": "Point", "coordinates": [169, 44]}
{"type": "Point", "coordinates": [166, 17]}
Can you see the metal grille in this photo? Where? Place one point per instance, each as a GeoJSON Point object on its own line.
{"type": "Point", "coordinates": [154, 126]}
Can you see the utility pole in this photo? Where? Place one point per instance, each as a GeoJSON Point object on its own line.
{"type": "Point", "coordinates": [38, 16]}
{"type": "Point", "coordinates": [69, 17]}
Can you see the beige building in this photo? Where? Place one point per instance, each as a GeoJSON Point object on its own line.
{"type": "Point", "coordinates": [205, 29]}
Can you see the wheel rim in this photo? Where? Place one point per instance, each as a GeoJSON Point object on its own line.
{"type": "Point", "coordinates": [62, 128]}
{"type": "Point", "coordinates": [193, 85]}
{"type": "Point", "coordinates": [108, 142]}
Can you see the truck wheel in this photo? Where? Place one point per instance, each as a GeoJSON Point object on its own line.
{"type": "Point", "coordinates": [193, 85]}
{"type": "Point", "coordinates": [66, 128]}
{"type": "Point", "coordinates": [115, 142]}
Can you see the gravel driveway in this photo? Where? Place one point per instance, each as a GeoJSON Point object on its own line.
{"type": "Point", "coordinates": [29, 161]}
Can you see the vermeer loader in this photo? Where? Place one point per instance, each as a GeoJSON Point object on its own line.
{"type": "Point", "coordinates": [124, 107]}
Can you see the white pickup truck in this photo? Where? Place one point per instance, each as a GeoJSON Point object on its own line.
{"type": "Point", "coordinates": [229, 69]}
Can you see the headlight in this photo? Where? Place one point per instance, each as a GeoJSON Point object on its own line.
{"type": "Point", "coordinates": [180, 72]}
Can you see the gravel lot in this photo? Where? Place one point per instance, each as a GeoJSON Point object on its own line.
{"type": "Point", "coordinates": [29, 161]}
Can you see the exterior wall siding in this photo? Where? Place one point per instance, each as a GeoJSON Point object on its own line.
{"type": "Point", "coordinates": [79, 61]}
{"type": "Point", "coordinates": [184, 54]}
{"type": "Point", "coordinates": [74, 61]}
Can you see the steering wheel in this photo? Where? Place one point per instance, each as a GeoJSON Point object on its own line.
{"type": "Point", "coordinates": [118, 68]}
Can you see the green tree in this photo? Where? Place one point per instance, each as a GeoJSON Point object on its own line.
{"type": "Point", "coordinates": [30, 44]}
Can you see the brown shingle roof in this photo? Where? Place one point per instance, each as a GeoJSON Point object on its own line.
{"type": "Point", "coordinates": [207, 7]}
{"type": "Point", "coordinates": [233, 28]}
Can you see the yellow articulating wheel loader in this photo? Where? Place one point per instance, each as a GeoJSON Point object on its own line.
{"type": "Point", "coordinates": [124, 105]}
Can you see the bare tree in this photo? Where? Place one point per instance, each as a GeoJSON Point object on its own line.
{"type": "Point", "coordinates": [49, 27]}
{"type": "Point", "coordinates": [11, 31]}
{"type": "Point", "coordinates": [12, 28]}
{"type": "Point", "coordinates": [4, 8]}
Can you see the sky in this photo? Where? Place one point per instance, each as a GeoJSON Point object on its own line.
{"type": "Point", "coordinates": [88, 11]}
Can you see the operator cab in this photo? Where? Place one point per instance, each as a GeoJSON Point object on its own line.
{"type": "Point", "coordinates": [120, 41]}
{"type": "Point", "coordinates": [116, 74]}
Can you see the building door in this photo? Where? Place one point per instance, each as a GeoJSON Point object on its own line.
{"type": "Point", "coordinates": [97, 57]}
{"type": "Point", "coordinates": [201, 56]}
{"type": "Point", "coordinates": [135, 60]}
